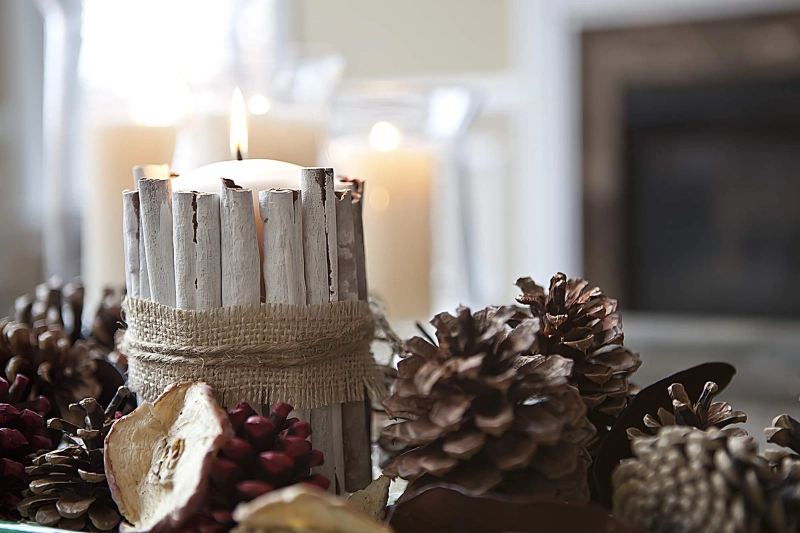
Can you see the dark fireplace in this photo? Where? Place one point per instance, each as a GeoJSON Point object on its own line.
{"type": "Point", "coordinates": [712, 198]}
{"type": "Point", "coordinates": [691, 166]}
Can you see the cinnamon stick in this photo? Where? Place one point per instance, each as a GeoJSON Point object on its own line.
{"type": "Point", "coordinates": [322, 285]}
{"type": "Point", "coordinates": [241, 262]}
{"type": "Point", "coordinates": [155, 197]}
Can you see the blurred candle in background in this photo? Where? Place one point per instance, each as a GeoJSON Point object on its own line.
{"type": "Point", "coordinates": [398, 173]}
{"type": "Point", "coordinates": [116, 136]}
{"type": "Point", "coordinates": [404, 140]}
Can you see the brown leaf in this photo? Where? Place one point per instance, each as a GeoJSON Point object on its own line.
{"type": "Point", "coordinates": [436, 508]}
{"type": "Point", "coordinates": [616, 445]}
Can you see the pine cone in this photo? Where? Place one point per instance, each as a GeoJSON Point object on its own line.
{"type": "Point", "coordinates": [21, 435]}
{"type": "Point", "coordinates": [483, 415]}
{"type": "Point", "coordinates": [267, 453]}
{"type": "Point", "coordinates": [52, 305]}
{"type": "Point", "coordinates": [686, 480]}
{"type": "Point", "coordinates": [44, 341]}
{"type": "Point", "coordinates": [68, 487]}
{"type": "Point", "coordinates": [108, 319]}
{"type": "Point", "coordinates": [582, 324]}
{"type": "Point", "coordinates": [700, 415]}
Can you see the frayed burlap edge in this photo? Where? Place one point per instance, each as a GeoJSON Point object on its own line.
{"type": "Point", "coordinates": [306, 355]}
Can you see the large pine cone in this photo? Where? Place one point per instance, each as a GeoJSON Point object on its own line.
{"type": "Point", "coordinates": [21, 435]}
{"type": "Point", "coordinates": [685, 480]}
{"type": "Point", "coordinates": [44, 341]}
{"type": "Point", "coordinates": [267, 453]}
{"type": "Point", "coordinates": [703, 414]}
{"type": "Point", "coordinates": [486, 416]}
{"type": "Point", "coordinates": [581, 323]}
{"type": "Point", "coordinates": [68, 487]}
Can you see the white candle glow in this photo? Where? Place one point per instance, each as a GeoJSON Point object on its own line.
{"type": "Point", "coordinates": [254, 174]}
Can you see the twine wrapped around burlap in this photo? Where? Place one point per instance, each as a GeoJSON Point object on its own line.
{"type": "Point", "coordinates": [306, 355]}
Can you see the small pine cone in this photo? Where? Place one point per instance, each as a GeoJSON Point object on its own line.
{"type": "Point", "coordinates": [582, 324]}
{"type": "Point", "coordinates": [22, 434]}
{"type": "Point", "coordinates": [687, 480]}
{"type": "Point", "coordinates": [68, 487]}
{"type": "Point", "coordinates": [108, 319]}
{"type": "Point", "coordinates": [267, 453]}
{"type": "Point", "coordinates": [701, 415]}
{"type": "Point", "coordinates": [480, 413]}
{"type": "Point", "coordinates": [63, 372]}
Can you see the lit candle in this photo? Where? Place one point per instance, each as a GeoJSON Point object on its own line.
{"type": "Point", "coordinates": [275, 131]}
{"type": "Point", "coordinates": [255, 174]}
{"type": "Point", "coordinates": [397, 221]}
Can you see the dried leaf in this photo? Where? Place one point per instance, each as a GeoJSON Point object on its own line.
{"type": "Point", "coordinates": [372, 499]}
{"type": "Point", "coordinates": [436, 508]}
{"type": "Point", "coordinates": [616, 445]}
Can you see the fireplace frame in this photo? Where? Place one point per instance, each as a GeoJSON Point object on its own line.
{"type": "Point", "coordinates": [752, 48]}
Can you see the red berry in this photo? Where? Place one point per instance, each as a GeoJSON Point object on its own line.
{"type": "Point", "coordinates": [223, 516]}
{"type": "Point", "coordinates": [239, 414]}
{"type": "Point", "coordinates": [280, 411]}
{"type": "Point", "coordinates": [295, 446]}
{"type": "Point", "coordinates": [237, 450]}
{"type": "Point", "coordinates": [317, 458]}
{"type": "Point", "coordinates": [40, 442]}
{"type": "Point", "coordinates": [260, 432]}
{"type": "Point", "coordinates": [224, 471]}
{"type": "Point", "coordinates": [277, 464]}
{"type": "Point", "coordinates": [299, 429]}
{"type": "Point", "coordinates": [11, 439]}
{"type": "Point", "coordinates": [17, 388]}
{"type": "Point", "coordinates": [318, 480]}
{"type": "Point", "coordinates": [253, 489]}
{"type": "Point", "coordinates": [8, 413]}
{"type": "Point", "coordinates": [9, 468]}
{"type": "Point", "coordinates": [30, 421]}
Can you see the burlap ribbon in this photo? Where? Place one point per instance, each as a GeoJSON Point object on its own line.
{"type": "Point", "coordinates": [306, 355]}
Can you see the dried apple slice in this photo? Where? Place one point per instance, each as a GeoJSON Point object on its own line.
{"type": "Point", "coordinates": [158, 457]}
{"type": "Point", "coordinates": [303, 509]}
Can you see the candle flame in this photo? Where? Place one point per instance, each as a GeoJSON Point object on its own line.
{"type": "Point", "coordinates": [238, 126]}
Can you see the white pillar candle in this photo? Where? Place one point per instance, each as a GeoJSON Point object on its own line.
{"type": "Point", "coordinates": [396, 211]}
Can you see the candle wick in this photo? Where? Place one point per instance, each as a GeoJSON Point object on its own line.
{"type": "Point", "coordinates": [239, 156]}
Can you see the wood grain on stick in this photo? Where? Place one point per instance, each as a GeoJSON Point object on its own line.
{"type": "Point", "coordinates": [130, 229]}
{"type": "Point", "coordinates": [241, 262]}
{"type": "Point", "coordinates": [282, 242]}
{"type": "Point", "coordinates": [155, 198]}
{"type": "Point", "coordinates": [355, 420]}
{"type": "Point", "coordinates": [322, 281]}
{"type": "Point", "coordinates": [198, 267]}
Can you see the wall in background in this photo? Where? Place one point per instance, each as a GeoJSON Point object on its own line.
{"type": "Point", "coordinates": [21, 201]}
{"type": "Point", "coordinates": [412, 37]}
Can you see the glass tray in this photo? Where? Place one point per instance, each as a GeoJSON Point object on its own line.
{"type": "Point", "coordinates": [9, 527]}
